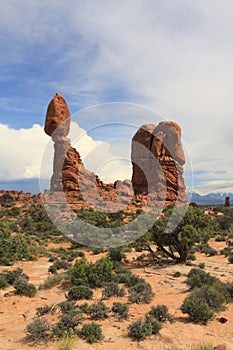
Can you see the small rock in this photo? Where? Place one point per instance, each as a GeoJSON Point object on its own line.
{"type": "Point", "coordinates": [222, 319]}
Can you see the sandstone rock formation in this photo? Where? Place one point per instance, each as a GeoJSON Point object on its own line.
{"type": "Point", "coordinates": [161, 146]}
{"type": "Point", "coordinates": [57, 117]}
{"type": "Point", "coordinates": [68, 168]}
{"type": "Point", "coordinates": [14, 196]}
{"type": "Point", "coordinates": [157, 158]}
{"type": "Point", "coordinates": [67, 161]}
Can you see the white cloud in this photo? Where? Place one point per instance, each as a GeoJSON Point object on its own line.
{"type": "Point", "coordinates": [28, 153]}
{"type": "Point", "coordinates": [215, 186]}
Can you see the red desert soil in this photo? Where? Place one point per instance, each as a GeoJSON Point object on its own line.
{"type": "Point", "coordinates": [16, 312]}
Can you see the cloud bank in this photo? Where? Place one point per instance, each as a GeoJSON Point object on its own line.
{"type": "Point", "coordinates": [172, 55]}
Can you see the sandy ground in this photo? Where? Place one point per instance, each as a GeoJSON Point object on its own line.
{"type": "Point", "coordinates": [16, 312]}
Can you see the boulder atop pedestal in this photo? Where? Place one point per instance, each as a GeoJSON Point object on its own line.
{"type": "Point", "coordinates": [57, 117]}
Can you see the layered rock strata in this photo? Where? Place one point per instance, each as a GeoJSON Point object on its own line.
{"type": "Point", "coordinates": [158, 158]}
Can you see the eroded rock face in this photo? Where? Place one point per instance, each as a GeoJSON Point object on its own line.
{"type": "Point", "coordinates": [158, 159]}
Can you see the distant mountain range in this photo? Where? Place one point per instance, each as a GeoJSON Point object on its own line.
{"type": "Point", "coordinates": [210, 198]}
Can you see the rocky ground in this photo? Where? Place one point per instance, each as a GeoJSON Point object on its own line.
{"type": "Point", "coordinates": [16, 312]}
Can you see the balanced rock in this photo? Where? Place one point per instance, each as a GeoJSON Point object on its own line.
{"type": "Point", "coordinates": [57, 116]}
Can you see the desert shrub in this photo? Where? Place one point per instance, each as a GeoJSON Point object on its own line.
{"type": "Point", "coordinates": [113, 289]}
{"type": "Point", "coordinates": [52, 269]}
{"type": "Point", "coordinates": [134, 280]}
{"type": "Point", "coordinates": [98, 311]}
{"type": "Point", "coordinates": [139, 330]}
{"type": "Point", "coordinates": [226, 251]}
{"type": "Point", "coordinates": [121, 311]}
{"type": "Point", "coordinates": [230, 258]}
{"type": "Point", "coordinates": [212, 295]}
{"type": "Point", "coordinates": [177, 274]}
{"type": "Point", "coordinates": [67, 324]}
{"type": "Point", "coordinates": [197, 277]}
{"type": "Point", "coordinates": [229, 292]}
{"type": "Point", "coordinates": [160, 313]}
{"type": "Point", "coordinates": [15, 275]}
{"type": "Point", "coordinates": [197, 309]}
{"type": "Point", "coordinates": [220, 238]}
{"type": "Point", "coordinates": [3, 281]}
{"type": "Point", "coordinates": [24, 288]}
{"type": "Point", "coordinates": [16, 248]}
{"type": "Point", "coordinates": [91, 332]}
{"type": "Point", "coordinates": [94, 275]}
{"type": "Point", "coordinates": [44, 310]}
{"type": "Point", "coordinates": [38, 330]}
{"type": "Point", "coordinates": [201, 265]}
{"type": "Point", "coordinates": [123, 276]}
{"type": "Point", "coordinates": [83, 308]}
{"type": "Point", "coordinates": [156, 326]}
{"type": "Point", "coordinates": [206, 249]}
{"type": "Point", "coordinates": [96, 251]}
{"type": "Point", "coordinates": [54, 280]}
{"type": "Point", "coordinates": [116, 254]}
{"type": "Point", "coordinates": [58, 265]}
{"type": "Point", "coordinates": [141, 293]}
{"type": "Point", "coordinates": [80, 292]}
{"type": "Point", "coordinates": [67, 306]}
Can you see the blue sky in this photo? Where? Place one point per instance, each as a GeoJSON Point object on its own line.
{"type": "Point", "coordinates": [171, 56]}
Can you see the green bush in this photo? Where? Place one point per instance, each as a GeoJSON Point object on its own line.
{"type": "Point", "coordinates": [139, 330]}
{"type": "Point", "coordinates": [83, 308]}
{"type": "Point", "coordinates": [141, 293]}
{"type": "Point", "coordinates": [197, 309]}
{"type": "Point", "coordinates": [226, 251]}
{"type": "Point", "coordinates": [91, 332]}
{"type": "Point", "coordinates": [58, 265]}
{"type": "Point", "coordinates": [229, 292]}
{"type": "Point", "coordinates": [44, 310]}
{"type": "Point", "coordinates": [160, 313]}
{"type": "Point", "coordinates": [113, 289]}
{"type": "Point", "coordinates": [121, 311]}
{"type": "Point", "coordinates": [177, 274]}
{"type": "Point", "coordinates": [24, 288]}
{"type": "Point", "coordinates": [206, 249]}
{"type": "Point", "coordinates": [54, 280]}
{"type": "Point", "coordinates": [15, 275]}
{"type": "Point", "coordinates": [155, 325]}
{"type": "Point", "coordinates": [94, 275]}
{"type": "Point", "coordinates": [212, 295]}
{"type": "Point", "coordinates": [116, 254]}
{"type": "Point", "coordinates": [38, 330]}
{"type": "Point", "coordinates": [67, 306]}
{"type": "Point", "coordinates": [98, 311]}
{"type": "Point", "coordinates": [3, 281]}
{"type": "Point", "coordinates": [201, 265]}
{"type": "Point", "coordinates": [230, 258]}
{"type": "Point", "coordinates": [197, 278]}
{"type": "Point", "coordinates": [67, 324]}
{"type": "Point", "coordinates": [80, 292]}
